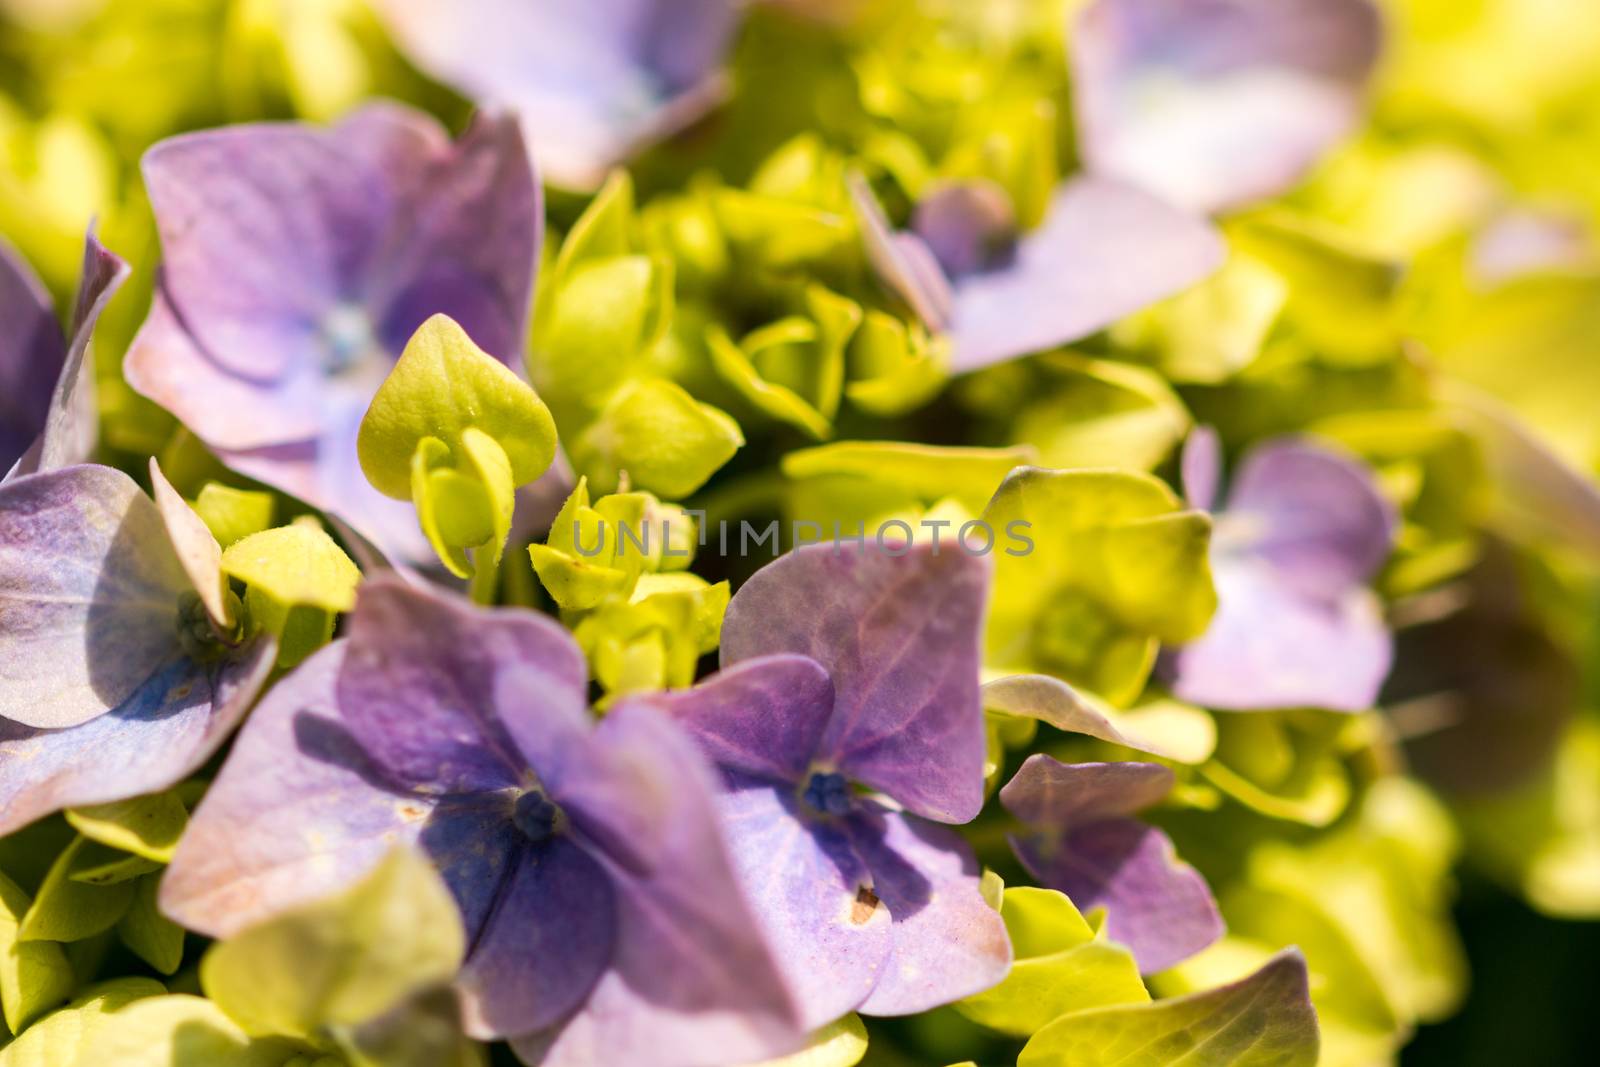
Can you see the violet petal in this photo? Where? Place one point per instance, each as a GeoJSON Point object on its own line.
{"type": "Point", "coordinates": [1047, 792]}
{"type": "Point", "coordinates": [805, 879]}
{"type": "Point", "coordinates": [1104, 251]}
{"type": "Point", "coordinates": [594, 80]}
{"type": "Point", "coordinates": [546, 942]}
{"type": "Point", "coordinates": [421, 679]}
{"type": "Point", "coordinates": [298, 812]}
{"type": "Point", "coordinates": [763, 717]}
{"type": "Point", "coordinates": [1157, 905]}
{"type": "Point", "coordinates": [1201, 467]}
{"type": "Point", "coordinates": [900, 636]}
{"type": "Point", "coordinates": [1315, 515]}
{"type": "Point", "coordinates": [31, 352]}
{"type": "Point", "coordinates": [722, 998]}
{"type": "Point", "coordinates": [1269, 646]}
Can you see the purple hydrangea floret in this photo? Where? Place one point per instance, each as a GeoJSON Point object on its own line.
{"type": "Point", "coordinates": [847, 725]}
{"type": "Point", "coordinates": [298, 262]}
{"type": "Point", "coordinates": [603, 916]}
{"type": "Point", "coordinates": [1303, 531]}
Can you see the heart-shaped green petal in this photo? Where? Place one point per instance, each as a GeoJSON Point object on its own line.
{"type": "Point", "coordinates": [442, 385]}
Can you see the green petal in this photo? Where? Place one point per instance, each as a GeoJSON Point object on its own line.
{"type": "Point", "coordinates": [34, 975]}
{"type": "Point", "coordinates": [67, 909]}
{"type": "Point", "coordinates": [1060, 966]}
{"type": "Point", "coordinates": [666, 441]}
{"type": "Point", "coordinates": [147, 826]}
{"type": "Point", "coordinates": [343, 960]}
{"type": "Point", "coordinates": [59, 1038]}
{"type": "Point", "coordinates": [1265, 1020]}
{"type": "Point", "coordinates": [180, 1031]}
{"type": "Point", "coordinates": [442, 385]}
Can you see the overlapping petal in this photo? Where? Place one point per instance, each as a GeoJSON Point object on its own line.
{"type": "Point", "coordinates": [947, 941]}
{"type": "Point", "coordinates": [31, 351]}
{"type": "Point", "coordinates": [48, 417]}
{"type": "Point", "coordinates": [723, 996]}
{"type": "Point", "coordinates": [422, 684]}
{"type": "Point", "coordinates": [569, 920]}
{"type": "Point", "coordinates": [763, 717]}
{"type": "Point", "coordinates": [298, 812]}
{"type": "Point", "coordinates": [811, 888]}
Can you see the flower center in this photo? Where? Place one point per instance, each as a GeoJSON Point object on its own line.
{"type": "Point", "coordinates": [970, 227]}
{"type": "Point", "coordinates": [537, 816]}
{"type": "Point", "coordinates": [197, 635]}
{"type": "Point", "coordinates": [347, 337]}
{"type": "Point", "coordinates": [827, 793]}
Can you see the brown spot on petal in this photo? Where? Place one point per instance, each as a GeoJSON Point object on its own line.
{"type": "Point", "coordinates": [865, 904]}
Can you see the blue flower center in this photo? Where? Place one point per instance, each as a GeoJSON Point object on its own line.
{"type": "Point", "coordinates": [347, 337]}
{"type": "Point", "coordinates": [536, 816]}
{"type": "Point", "coordinates": [827, 793]}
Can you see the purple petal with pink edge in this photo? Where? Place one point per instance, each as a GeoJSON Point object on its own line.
{"type": "Point", "coordinates": [89, 595]}
{"type": "Point", "coordinates": [1215, 103]}
{"type": "Point", "coordinates": [594, 80]}
{"type": "Point", "coordinates": [1201, 467]}
{"type": "Point", "coordinates": [900, 635]}
{"type": "Point", "coordinates": [1104, 251]}
{"type": "Point", "coordinates": [548, 939]}
{"type": "Point", "coordinates": [1316, 516]}
{"type": "Point", "coordinates": [719, 997]}
{"type": "Point", "coordinates": [1270, 646]}
{"type": "Point", "coordinates": [298, 811]}
{"type": "Point", "coordinates": [808, 883]}
{"type": "Point", "coordinates": [763, 717]}
{"type": "Point", "coordinates": [162, 733]}
{"type": "Point", "coordinates": [31, 353]}
{"type": "Point", "coordinates": [1047, 792]}
{"type": "Point", "coordinates": [227, 411]}
{"type": "Point", "coordinates": [421, 677]}
{"type": "Point", "coordinates": [1157, 905]}
{"type": "Point", "coordinates": [948, 943]}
